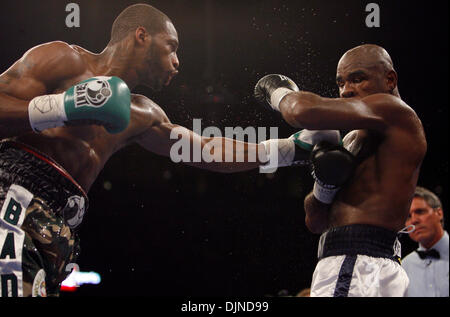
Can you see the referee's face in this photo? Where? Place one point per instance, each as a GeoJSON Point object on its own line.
{"type": "Point", "coordinates": [427, 222]}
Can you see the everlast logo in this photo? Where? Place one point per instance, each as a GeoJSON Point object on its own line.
{"type": "Point", "coordinates": [92, 94]}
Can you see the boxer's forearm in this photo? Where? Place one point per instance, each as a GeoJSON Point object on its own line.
{"type": "Point", "coordinates": [211, 153]}
{"type": "Point", "coordinates": [317, 214]}
{"type": "Point", "coordinates": [13, 116]}
{"type": "Point", "coordinates": [230, 156]}
{"type": "Point", "coordinates": [313, 112]}
{"type": "Point", "coordinates": [294, 108]}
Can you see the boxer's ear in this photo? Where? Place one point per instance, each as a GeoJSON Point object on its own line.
{"type": "Point", "coordinates": [391, 80]}
{"type": "Point", "coordinates": [141, 35]}
{"type": "Point", "coordinates": [440, 214]}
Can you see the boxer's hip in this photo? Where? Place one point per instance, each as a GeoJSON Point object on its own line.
{"type": "Point", "coordinates": [360, 239]}
{"type": "Point", "coordinates": [41, 206]}
{"type": "Point", "coordinates": [44, 178]}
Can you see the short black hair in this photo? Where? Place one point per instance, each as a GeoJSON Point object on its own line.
{"type": "Point", "coordinates": [137, 15]}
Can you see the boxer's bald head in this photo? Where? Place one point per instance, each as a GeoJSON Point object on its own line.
{"type": "Point", "coordinates": [364, 70]}
{"type": "Point", "coordinates": [367, 55]}
{"type": "Point", "coordinates": [138, 15]}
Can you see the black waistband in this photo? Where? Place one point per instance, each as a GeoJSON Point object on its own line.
{"type": "Point", "coordinates": [39, 174]}
{"type": "Point", "coordinates": [360, 239]}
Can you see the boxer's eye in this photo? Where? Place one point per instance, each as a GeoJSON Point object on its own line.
{"type": "Point", "coordinates": [173, 46]}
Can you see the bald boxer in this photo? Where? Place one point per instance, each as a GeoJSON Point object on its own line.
{"type": "Point", "coordinates": [358, 250]}
{"type": "Point", "coordinates": [64, 112]}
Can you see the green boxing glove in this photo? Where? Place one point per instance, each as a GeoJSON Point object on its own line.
{"type": "Point", "coordinates": [295, 150]}
{"type": "Point", "coordinates": [103, 100]}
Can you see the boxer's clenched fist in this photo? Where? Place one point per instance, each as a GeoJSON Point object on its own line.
{"type": "Point", "coordinates": [296, 150]}
{"type": "Point", "coordinates": [272, 88]}
{"type": "Point", "coordinates": [332, 166]}
{"type": "Point", "coordinates": [101, 100]}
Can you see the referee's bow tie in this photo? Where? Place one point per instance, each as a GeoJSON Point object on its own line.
{"type": "Point", "coordinates": [432, 253]}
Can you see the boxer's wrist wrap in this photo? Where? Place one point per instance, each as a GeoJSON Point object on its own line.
{"type": "Point", "coordinates": [279, 153]}
{"type": "Point", "coordinates": [277, 96]}
{"type": "Point", "coordinates": [324, 192]}
{"type": "Point", "coordinates": [46, 112]}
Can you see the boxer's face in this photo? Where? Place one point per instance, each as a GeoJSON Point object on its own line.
{"type": "Point", "coordinates": [426, 220]}
{"type": "Point", "coordinates": [161, 59]}
{"type": "Point", "coordinates": [357, 78]}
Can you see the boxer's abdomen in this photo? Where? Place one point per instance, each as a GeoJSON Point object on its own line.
{"type": "Point", "coordinates": [81, 151]}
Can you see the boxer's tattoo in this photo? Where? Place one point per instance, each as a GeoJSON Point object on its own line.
{"type": "Point", "coordinates": [15, 73]}
{"type": "Point", "coordinates": [25, 66]}
{"type": "Point", "coordinates": [7, 78]}
{"type": "Point", "coordinates": [4, 81]}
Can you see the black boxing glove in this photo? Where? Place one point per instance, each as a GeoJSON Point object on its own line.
{"type": "Point", "coordinates": [272, 88]}
{"type": "Point", "coordinates": [332, 165]}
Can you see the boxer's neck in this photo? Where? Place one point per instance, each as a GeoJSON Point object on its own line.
{"type": "Point", "coordinates": [115, 60]}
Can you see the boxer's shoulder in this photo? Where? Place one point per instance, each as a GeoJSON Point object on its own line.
{"type": "Point", "coordinates": [388, 104]}
{"type": "Point", "coordinates": [146, 115]}
{"type": "Point", "coordinates": [54, 60]}
{"type": "Point", "coordinates": [144, 102]}
{"type": "Point", "coordinates": [147, 111]}
{"type": "Point", "coordinates": [403, 131]}
{"type": "Point", "coordinates": [51, 50]}
{"type": "Point", "coordinates": [394, 113]}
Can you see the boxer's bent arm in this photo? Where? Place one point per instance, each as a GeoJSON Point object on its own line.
{"type": "Point", "coordinates": [375, 112]}
{"type": "Point", "coordinates": [214, 153]}
{"type": "Point", "coordinates": [316, 214]}
{"type": "Point", "coordinates": [40, 68]}
{"type": "Point", "coordinates": [14, 118]}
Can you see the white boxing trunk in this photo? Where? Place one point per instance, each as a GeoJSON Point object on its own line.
{"type": "Point", "coordinates": [359, 261]}
{"type": "Point", "coordinates": [358, 276]}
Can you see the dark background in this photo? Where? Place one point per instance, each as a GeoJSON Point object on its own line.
{"type": "Point", "coordinates": [159, 228]}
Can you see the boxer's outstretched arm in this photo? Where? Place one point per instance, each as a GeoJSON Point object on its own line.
{"type": "Point", "coordinates": [211, 153]}
{"type": "Point", "coordinates": [35, 74]}
{"type": "Point", "coordinates": [151, 128]}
